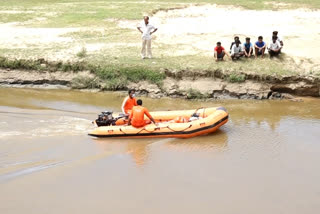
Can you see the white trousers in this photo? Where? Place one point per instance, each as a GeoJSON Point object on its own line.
{"type": "Point", "coordinates": [146, 47]}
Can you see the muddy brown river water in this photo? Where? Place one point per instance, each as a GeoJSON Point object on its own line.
{"type": "Point", "coordinates": [264, 160]}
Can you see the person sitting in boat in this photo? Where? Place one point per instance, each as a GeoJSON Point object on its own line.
{"type": "Point", "coordinates": [129, 102]}
{"type": "Point", "coordinates": [136, 118]}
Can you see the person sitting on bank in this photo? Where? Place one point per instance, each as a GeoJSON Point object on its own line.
{"type": "Point", "coordinates": [260, 47]}
{"type": "Point", "coordinates": [129, 102]}
{"type": "Point", "coordinates": [248, 48]}
{"type": "Point", "coordinates": [236, 51]}
{"type": "Point", "coordinates": [136, 118]}
{"type": "Point", "coordinates": [274, 47]}
{"type": "Point", "coordinates": [275, 33]}
{"type": "Point", "coordinates": [236, 39]}
{"type": "Point", "coordinates": [219, 52]}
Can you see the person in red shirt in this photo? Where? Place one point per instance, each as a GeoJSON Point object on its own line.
{"type": "Point", "coordinates": [129, 102]}
{"type": "Point", "coordinates": [136, 118]}
{"type": "Point", "coordinates": [219, 52]}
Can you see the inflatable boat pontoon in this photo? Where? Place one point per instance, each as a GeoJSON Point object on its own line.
{"type": "Point", "coordinates": [170, 124]}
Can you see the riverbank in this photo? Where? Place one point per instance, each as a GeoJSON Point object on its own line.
{"type": "Point", "coordinates": [214, 84]}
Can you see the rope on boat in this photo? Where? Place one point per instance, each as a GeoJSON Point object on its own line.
{"type": "Point", "coordinates": [168, 127]}
{"type": "Point", "coordinates": [180, 130]}
{"type": "Point", "coordinates": [122, 131]}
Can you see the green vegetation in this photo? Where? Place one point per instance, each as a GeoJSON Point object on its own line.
{"type": "Point", "coordinates": [111, 77]}
{"type": "Point", "coordinates": [118, 77]}
{"type": "Point", "coordinates": [82, 53]}
{"type": "Point", "coordinates": [20, 64]}
{"type": "Point", "coordinates": [234, 77]}
{"type": "Point", "coordinates": [115, 78]}
{"type": "Point", "coordinates": [85, 83]}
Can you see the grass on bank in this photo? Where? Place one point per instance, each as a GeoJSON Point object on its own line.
{"type": "Point", "coordinates": [82, 53]}
{"type": "Point", "coordinates": [114, 78]}
{"type": "Point", "coordinates": [234, 77]}
{"type": "Point", "coordinates": [111, 77]}
{"type": "Point", "coordinates": [191, 66]}
{"type": "Point", "coordinates": [116, 75]}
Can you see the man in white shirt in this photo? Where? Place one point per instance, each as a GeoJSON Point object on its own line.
{"type": "Point", "coordinates": [146, 30]}
{"type": "Point", "coordinates": [275, 33]}
{"type": "Point", "coordinates": [236, 51]}
{"type": "Point", "coordinates": [274, 47]}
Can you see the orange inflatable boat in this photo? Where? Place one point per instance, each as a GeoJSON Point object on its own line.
{"type": "Point", "coordinates": [170, 124]}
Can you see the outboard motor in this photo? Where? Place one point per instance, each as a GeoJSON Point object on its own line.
{"type": "Point", "coordinates": [105, 119]}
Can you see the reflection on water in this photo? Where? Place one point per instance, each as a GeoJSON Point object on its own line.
{"type": "Point", "coordinates": [264, 160]}
{"type": "Point", "coordinates": [140, 149]}
{"type": "Point", "coordinates": [215, 141]}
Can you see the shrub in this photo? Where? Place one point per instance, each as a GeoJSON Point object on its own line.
{"type": "Point", "coordinates": [82, 53]}
{"type": "Point", "coordinates": [73, 66]}
{"type": "Point", "coordinates": [115, 84]}
{"type": "Point", "coordinates": [236, 78]}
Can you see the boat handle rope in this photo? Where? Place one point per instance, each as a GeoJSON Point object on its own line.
{"type": "Point", "coordinates": [180, 130]}
{"type": "Point", "coordinates": [144, 129]}
{"type": "Point", "coordinates": [136, 133]}
{"type": "Point", "coordinates": [122, 131]}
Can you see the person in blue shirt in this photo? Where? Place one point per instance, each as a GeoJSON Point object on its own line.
{"type": "Point", "coordinates": [260, 47]}
{"type": "Point", "coordinates": [248, 48]}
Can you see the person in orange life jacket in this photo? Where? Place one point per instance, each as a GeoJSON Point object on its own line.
{"type": "Point", "coordinates": [136, 117]}
{"type": "Point", "coordinates": [129, 102]}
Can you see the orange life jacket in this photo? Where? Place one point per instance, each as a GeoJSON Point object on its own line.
{"type": "Point", "coordinates": [127, 104]}
{"type": "Point", "coordinates": [137, 116]}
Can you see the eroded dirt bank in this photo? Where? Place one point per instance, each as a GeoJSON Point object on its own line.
{"type": "Point", "coordinates": [187, 84]}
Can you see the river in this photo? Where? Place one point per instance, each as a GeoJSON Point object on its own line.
{"type": "Point", "coordinates": [264, 160]}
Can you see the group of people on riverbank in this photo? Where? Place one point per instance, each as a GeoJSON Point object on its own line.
{"type": "Point", "coordinates": [238, 50]}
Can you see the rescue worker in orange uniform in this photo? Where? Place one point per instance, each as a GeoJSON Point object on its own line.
{"type": "Point", "coordinates": [136, 117]}
{"type": "Point", "coordinates": [129, 102]}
